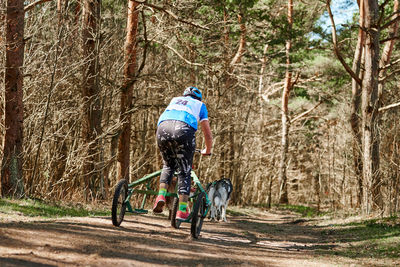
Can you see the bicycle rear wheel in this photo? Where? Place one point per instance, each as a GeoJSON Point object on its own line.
{"type": "Point", "coordinates": [198, 215]}
{"type": "Point", "coordinates": [118, 205]}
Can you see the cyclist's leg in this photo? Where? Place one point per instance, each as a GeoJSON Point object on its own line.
{"type": "Point", "coordinates": [166, 146]}
{"type": "Point", "coordinates": [185, 151]}
{"type": "Point", "coordinates": [169, 164]}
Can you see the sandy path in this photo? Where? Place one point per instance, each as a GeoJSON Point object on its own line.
{"type": "Point", "coordinates": [263, 239]}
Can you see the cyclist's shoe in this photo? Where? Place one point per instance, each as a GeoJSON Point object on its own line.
{"type": "Point", "coordinates": [182, 216]}
{"type": "Point", "coordinates": [160, 202]}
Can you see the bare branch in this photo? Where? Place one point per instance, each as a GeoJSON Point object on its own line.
{"type": "Point", "coordinates": [382, 6]}
{"type": "Point", "coordinates": [389, 39]}
{"type": "Point", "coordinates": [179, 55]}
{"type": "Point", "coordinates": [390, 65]}
{"type": "Point", "coordinates": [383, 79]}
{"type": "Point", "coordinates": [382, 10]}
{"type": "Point", "coordinates": [396, 19]}
{"type": "Point", "coordinates": [295, 80]}
{"type": "Point", "coordinates": [146, 44]}
{"type": "Point", "coordinates": [305, 112]}
{"type": "Point", "coordinates": [335, 46]}
{"type": "Point", "coordinates": [172, 15]}
{"type": "Point", "coordinates": [242, 42]}
{"type": "Point", "coordinates": [389, 107]}
{"type": "Point", "coordinates": [263, 66]}
{"type": "Point", "coordinates": [384, 62]}
{"type": "Point", "coordinates": [32, 5]}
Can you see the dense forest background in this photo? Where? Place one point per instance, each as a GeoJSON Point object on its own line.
{"type": "Point", "coordinates": [94, 74]}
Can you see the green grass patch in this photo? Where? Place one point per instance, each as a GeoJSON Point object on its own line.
{"type": "Point", "coordinates": [38, 208]}
{"type": "Point", "coordinates": [235, 212]}
{"type": "Point", "coordinates": [304, 211]}
{"type": "Point", "coordinates": [366, 239]}
{"type": "Point", "coordinates": [244, 210]}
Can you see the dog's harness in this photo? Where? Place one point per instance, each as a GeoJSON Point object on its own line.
{"type": "Point", "coordinates": [210, 184]}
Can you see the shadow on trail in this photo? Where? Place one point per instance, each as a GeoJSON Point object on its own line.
{"type": "Point", "coordinates": [155, 246]}
{"type": "Point", "coordinates": [151, 240]}
{"type": "Point", "coordinates": [282, 231]}
{"type": "Point", "coordinates": [15, 262]}
{"type": "Point", "coordinates": [354, 240]}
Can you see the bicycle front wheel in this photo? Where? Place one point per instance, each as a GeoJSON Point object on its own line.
{"type": "Point", "coordinates": [118, 205]}
{"type": "Point", "coordinates": [198, 215]}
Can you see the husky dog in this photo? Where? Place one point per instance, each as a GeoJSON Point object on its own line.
{"type": "Point", "coordinates": [219, 193]}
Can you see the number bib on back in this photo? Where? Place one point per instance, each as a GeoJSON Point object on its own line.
{"type": "Point", "coordinates": [186, 109]}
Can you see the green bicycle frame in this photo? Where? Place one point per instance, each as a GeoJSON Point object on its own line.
{"type": "Point", "coordinates": [149, 191]}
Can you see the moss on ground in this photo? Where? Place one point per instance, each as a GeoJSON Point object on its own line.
{"type": "Point", "coordinates": [377, 238]}
{"type": "Point", "coordinates": [304, 211]}
{"type": "Point", "coordinates": [39, 208]}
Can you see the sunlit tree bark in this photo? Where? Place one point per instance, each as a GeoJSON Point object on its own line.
{"type": "Point", "coordinates": [283, 190]}
{"type": "Point", "coordinates": [11, 167]}
{"type": "Point", "coordinates": [127, 91]}
{"type": "Point", "coordinates": [355, 118]}
{"type": "Point", "coordinates": [368, 79]}
{"type": "Point", "coordinates": [92, 113]}
{"type": "Point", "coordinates": [370, 105]}
{"type": "Point", "coordinates": [384, 61]}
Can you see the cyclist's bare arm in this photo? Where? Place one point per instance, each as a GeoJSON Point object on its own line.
{"type": "Point", "coordinates": [205, 128]}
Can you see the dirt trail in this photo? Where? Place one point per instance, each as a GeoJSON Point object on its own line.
{"type": "Point", "coordinates": [262, 239]}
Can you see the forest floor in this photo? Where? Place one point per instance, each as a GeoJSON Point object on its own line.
{"type": "Point", "coordinates": [251, 237]}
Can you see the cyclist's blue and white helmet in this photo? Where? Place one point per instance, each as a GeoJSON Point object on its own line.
{"type": "Point", "coordinates": [193, 92]}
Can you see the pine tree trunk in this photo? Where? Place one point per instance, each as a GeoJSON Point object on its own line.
{"type": "Point", "coordinates": [355, 106]}
{"type": "Point", "coordinates": [283, 190]}
{"type": "Point", "coordinates": [385, 59]}
{"type": "Point", "coordinates": [369, 107]}
{"type": "Point", "coordinates": [92, 113]}
{"type": "Point", "coordinates": [127, 91]}
{"type": "Point", "coordinates": [11, 168]}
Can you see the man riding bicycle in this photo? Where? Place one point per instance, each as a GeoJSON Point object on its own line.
{"type": "Point", "coordinates": [176, 140]}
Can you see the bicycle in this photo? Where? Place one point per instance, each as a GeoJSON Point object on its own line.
{"type": "Point", "coordinates": [124, 192]}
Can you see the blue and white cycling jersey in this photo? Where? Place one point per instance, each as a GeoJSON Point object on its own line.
{"type": "Point", "coordinates": [186, 109]}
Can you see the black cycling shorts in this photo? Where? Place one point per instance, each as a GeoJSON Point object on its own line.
{"type": "Point", "coordinates": [177, 142]}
